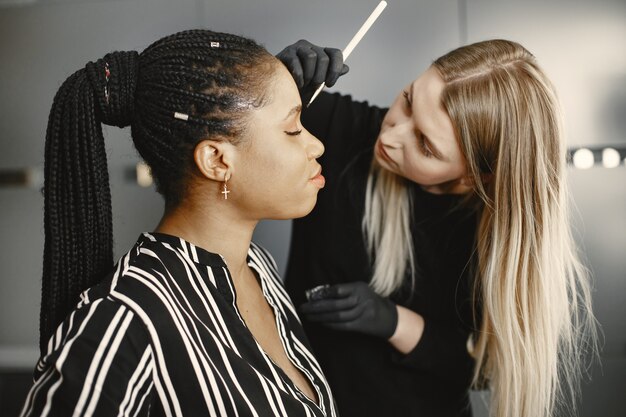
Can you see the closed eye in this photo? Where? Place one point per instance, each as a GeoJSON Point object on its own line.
{"type": "Point", "coordinates": [424, 146]}
{"type": "Point", "coordinates": [294, 133]}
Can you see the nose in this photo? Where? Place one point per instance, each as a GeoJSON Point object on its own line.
{"type": "Point", "coordinates": [389, 121]}
{"type": "Point", "coordinates": [314, 147]}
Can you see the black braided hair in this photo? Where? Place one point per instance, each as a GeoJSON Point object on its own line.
{"type": "Point", "coordinates": [211, 77]}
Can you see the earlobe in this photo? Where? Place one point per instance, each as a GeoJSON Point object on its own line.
{"type": "Point", "coordinates": [462, 185]}
{"type": "Point", "coordinates": [466, 181]}
{"type": "Point", "coordinates": [469, 182]}
{"type": "Point", "coordinates": [212, 160]}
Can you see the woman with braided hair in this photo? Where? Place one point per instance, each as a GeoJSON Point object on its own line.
{"type": "Point", "coordinates": [193, 320]}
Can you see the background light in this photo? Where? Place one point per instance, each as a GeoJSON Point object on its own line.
{"type": "Point", "coordinates": [583, 158]}
{"type": "Point", "coordinates": [610, 158]}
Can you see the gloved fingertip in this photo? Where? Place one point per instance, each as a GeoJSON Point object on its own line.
{"type": "Point", "coordinates": [299, 80]}
{"type": "Point", "coordinates": [340, 290]}
{"type": "Point", "coordinates": [344, 69]}
{"type": "Point", "coordinates": [330, 82]}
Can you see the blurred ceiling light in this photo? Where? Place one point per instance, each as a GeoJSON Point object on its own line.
{"type": "Point", "coordinates": [583, 158]}
{"type": "Point", "coordinates": [610, 158]}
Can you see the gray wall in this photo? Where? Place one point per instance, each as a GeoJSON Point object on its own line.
{"type": "Point", "coordinates": [580, 44]}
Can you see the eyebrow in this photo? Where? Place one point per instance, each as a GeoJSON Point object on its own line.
{"type": "Point", "coordinates": [295, 110]}
{"type": "Point", "coordinates": [431, 144]}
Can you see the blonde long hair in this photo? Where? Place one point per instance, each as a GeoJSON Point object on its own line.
{"type": "Point", "coordinates": [533, 291]}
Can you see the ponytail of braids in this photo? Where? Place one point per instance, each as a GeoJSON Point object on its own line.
{"type": "Point", "coordinates": [77, 199]}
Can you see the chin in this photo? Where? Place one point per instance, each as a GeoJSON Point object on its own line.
{"type": "Point", "coordinates": [305, 209]}
{"type": "Point", "coordinates": [296, 212]}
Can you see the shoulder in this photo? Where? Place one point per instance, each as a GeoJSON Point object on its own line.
{"type": "Point", "coordinates": [332, 111]}
{"type": "Point", "coordinates": [98, 325]}
{"type": "Point", "coordinates": [138, 281]}
{"type": "Point", "coordinates": [94, 357]}
{"type": "Point", "coordinates": [339, 101]}
{"type": "Point", "coordinates": [336, 102]}
{"type": "Point", "coordinates": [142, 261]}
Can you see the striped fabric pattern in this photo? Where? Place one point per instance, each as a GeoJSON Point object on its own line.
{"type": "Point", "coordinates": [162, 336]}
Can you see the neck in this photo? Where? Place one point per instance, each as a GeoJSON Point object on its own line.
{"type": "Point", "coordinates": [218, 229]}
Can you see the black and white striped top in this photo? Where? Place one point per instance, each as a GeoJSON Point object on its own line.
{"type": "Point", "coordinates": [162, 336]}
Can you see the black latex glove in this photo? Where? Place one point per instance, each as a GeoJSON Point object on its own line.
{"type": "Point", "coordinates": [311, 65]}
{"type": "Point", "coordinates": [354, 307]}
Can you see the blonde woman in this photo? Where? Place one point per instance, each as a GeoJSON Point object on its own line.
{"type": "Point", "coordinates": [442, 240]}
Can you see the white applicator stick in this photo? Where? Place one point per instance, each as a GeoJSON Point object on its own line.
{"type": "Point", "coordinates": [355, 40]}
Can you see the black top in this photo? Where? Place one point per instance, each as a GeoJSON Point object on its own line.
{"type": "Point", "coordinates": [163, 336]}
{"type": "Point", "coordinates": [367, 375]}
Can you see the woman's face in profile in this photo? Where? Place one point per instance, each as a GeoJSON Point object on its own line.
{"type": "Point", "coordinates": [277, 168]}
{"type": "Point", "coordinates": [417, 140]}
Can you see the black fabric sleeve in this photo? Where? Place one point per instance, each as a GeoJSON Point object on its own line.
{"type": "Point", "coordinates": [99, 363]}
{"type": "Point", "coordinates": [441, 351]}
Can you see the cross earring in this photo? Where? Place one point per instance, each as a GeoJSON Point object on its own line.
{"type": "Point", "coordinates": [226, 191]}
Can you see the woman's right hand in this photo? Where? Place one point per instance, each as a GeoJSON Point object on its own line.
{"type": "Point", "coordinates": [311, 65]}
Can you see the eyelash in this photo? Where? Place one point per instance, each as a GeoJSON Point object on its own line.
{"type": "Point", "coordinates": [294, 133]}
{"type": "Point", "coordinates": [407, 102]}
{"type": "Point", "coordinates": [422, 143]}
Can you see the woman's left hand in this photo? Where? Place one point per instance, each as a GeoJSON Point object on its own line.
{"type": "Point", "coordinates": [354, 307]}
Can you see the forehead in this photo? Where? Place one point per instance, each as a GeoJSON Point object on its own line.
{"type": "Point", "coordinates": [427, 89]}
{"type": "Point", "coordinates": [282, 91]}
{"type": "Point", "coordinates": [282, 97]}
{"type": "Point", "coordinates": [431, 116]}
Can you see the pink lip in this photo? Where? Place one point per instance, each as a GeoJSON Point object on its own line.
{"type": "Point", "coordinates": [319, 180]}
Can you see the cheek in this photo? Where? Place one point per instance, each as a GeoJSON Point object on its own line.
{"type": "Point", "coordinates": [279, 167]}
{"type": "Point", "coordinates": [425, 170]}
{"type": "Point", "coordinates": [256, 170]}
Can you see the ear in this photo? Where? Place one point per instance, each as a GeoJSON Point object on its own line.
{"type": "Point", "coordinates": [466, 184]}
{"type": "Point", "coordinates": [214, 159]}
{"type": "Point", "coordinates": [466, 181]}
{"type": "Point", "coordinates": [462, 185]}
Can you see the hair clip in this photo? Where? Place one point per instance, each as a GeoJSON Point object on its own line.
{"type": "Point", "coordinates": [107, 74]}
{"type": "Point", "coordinates": [215, 44]}
{"type": "Point", "coordinates": [181, 116]}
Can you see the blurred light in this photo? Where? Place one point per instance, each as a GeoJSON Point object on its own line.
{"type": "Point", "coordinates": [583, 158]}
{"type": "Point", "coordinates": [34, 177]}
{"type": "Point", "coordinates": [610, 158]}
{"type": "Point", "coordinates": [30, 177]}
{"type": "Point", "coordinates": [144, 177]}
